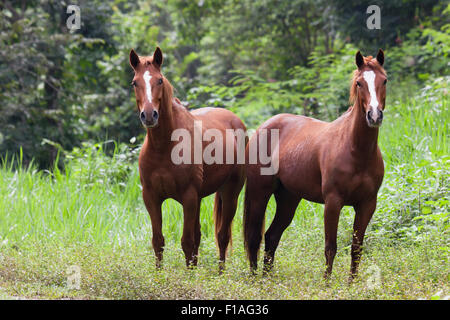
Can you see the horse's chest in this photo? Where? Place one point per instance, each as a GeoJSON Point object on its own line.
{"type": "Point", "coordinates": [363, 182]}
{"type": "Point", "coordinates": [167, 180]}
{"type": "Point", "coordinates": [163, 183]}
{"type": "Point", "coordinates": [357, 185]}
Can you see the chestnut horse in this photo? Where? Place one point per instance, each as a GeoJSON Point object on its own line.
{"type": "Point", "coordinates": [335, 163]}
{"type": "Point", "coordinates": [186, 182]}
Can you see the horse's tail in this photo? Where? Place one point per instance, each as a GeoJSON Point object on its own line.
{"type": "Point", "coordinates": [218, 218]}
{"type": "Point", "coordinates": [250, 227]}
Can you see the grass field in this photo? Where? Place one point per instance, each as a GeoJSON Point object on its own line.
{"type": "Point", "coordinates": [91, 216]}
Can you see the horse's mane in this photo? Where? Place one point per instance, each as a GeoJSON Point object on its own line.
{"type": "Point", "coordinates": [372, 63]}
{"type": "Point", "coordinates": [167, 96]}
{"type": "Point", "coordinates": [167, 90]}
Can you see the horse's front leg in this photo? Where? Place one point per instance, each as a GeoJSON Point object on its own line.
{"type": "Point", "coordinates": [363, 214]}
{"type": "Point", "coordinates": [333, 206]}
{"type": "Point", "coordinates": [191, 228]}
{"type": "Point", "coordinates": [153, 205]}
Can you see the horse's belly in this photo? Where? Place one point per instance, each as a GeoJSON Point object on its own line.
{"type": "Point", "coordinates": [304, 184]}
{"type": "Point", "coordinates": [300, 173]}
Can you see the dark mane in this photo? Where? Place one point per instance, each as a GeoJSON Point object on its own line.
{"type": "Point", "coordinates": [373, 64]}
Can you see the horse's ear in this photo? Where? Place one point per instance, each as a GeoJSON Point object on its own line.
{"type": "Point", "coordinates": [158, 57]}
{"type": "Point", "coordinates": [380, 57]}
{"type": "Point", "coordinates": [134, 59]}
{"type": "Point", "coordinates": [359, 60]}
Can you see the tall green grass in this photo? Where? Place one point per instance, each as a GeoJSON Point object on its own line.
{"type": "Point", "coordinates": [95, 199]}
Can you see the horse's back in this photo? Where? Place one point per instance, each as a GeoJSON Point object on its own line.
{"type": "Point", "coordinates": [218, 118]}
{"type": "Point", "coordinates": [286, 122]}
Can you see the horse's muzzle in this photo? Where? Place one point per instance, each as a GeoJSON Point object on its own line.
{"type": "Point", "coordinates": [374, 121]}
{"type": "Point", "coordinates": [149, 121]}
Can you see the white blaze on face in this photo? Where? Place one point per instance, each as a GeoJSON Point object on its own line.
{"type": "Point", "coordinates": [148, 86]}
{"type": "Point", "coordinates": [369, 77]}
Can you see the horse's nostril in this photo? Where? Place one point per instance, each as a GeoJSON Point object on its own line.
{"type": "Point", "coordinates": [155, 115]}
{"type": "Point", "coordinates": [143, 116]}
{"type": "Point", "coordinates": [380, 114]}
{"type": "Point", "coordinates": [369, 116]}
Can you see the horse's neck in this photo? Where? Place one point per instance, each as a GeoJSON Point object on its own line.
{"type": "Point", "coordinates": [159, 138]}
{"type": "Point", "coordinates": [363, 139]}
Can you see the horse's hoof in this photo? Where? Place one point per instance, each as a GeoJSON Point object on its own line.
{"type": "Point", "coordinates": [268, 264]}
{"type": "Point", "coordinates": [267, 269]}
{"type": "Point", "coordinates": [351, 278]}
{"type": "Point", "coordinates": [253, 270]}
{"type": "Point", "coordinates": [327, 276]}
{"type": "Point", "coordinates": [221, 267]}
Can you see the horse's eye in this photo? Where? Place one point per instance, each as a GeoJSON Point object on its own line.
{"type": "Point", "coordinates": [160, 80]}
{"type": "Point", "coordinates": [358, 84]}
{"type": "Point", "coordinates": [385, 81]}
{"type": "Point", "coordinates": [133, 83]}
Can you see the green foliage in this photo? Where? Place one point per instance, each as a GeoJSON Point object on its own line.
{"type": "Point", "coordinates": [90, 164]}
{"type": "Point", "coordinates": [414, 198]}
{"type": "Point", "coordinates": [414, 201]}
{"type": "Point", "coordinates": [422, 56]}
{"type": "Point", "coordinates": [43, 68]}
{"type": "Point", "coordinates": [398, 17]}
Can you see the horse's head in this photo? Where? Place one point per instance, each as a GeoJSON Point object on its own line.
{"type": "Point", "coordinates": [369, 87]}
{"type": "Point", "coordinates": [148, 83]}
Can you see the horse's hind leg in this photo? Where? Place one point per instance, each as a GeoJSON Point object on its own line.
{"type": "Point", "coordinates": [197, 236]}
{"type": "Point", "coordinates": [257, 195]}
{"type": "Point", "coordinates": [223, 224]}
{"type": "Point", "coordinates": [226, 202]}
{"type": "Point", "coordinates": [191, 212]}
{"type": "Point", "coordinates": [286, 205]}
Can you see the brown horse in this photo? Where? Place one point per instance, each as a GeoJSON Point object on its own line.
{"type": "Point", "coordinates": [187, 182]}
{"type": "Point", "coordinates": [335, 163]}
